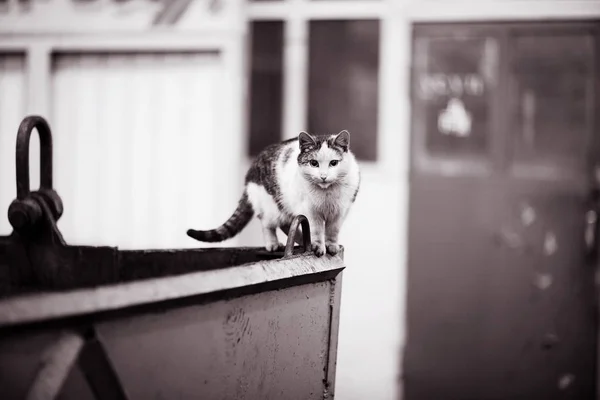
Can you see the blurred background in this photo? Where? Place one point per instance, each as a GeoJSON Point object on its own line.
{"type": "Point", "coordinates": [473, 123]}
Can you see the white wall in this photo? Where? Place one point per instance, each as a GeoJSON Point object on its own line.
{"type": "Point", "coordinates": [12, 105]}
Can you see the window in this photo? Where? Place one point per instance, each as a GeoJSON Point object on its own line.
{"type": "Point", "coordinates": [266, 84]}
{"type": "Point", "coordinates": [553, 88]}
{"type": "Point", "coordinates": [513, 97]}
{"type": "Point", "coordinates": [314, 69]}
{"type": "Point", "coordinates": [343, 81]}
{"type": "Point", "coordinates": [454, 83]}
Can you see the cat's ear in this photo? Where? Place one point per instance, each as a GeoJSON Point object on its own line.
{"type": "Point", "coordinates": [342, 140]}
{"type": "Point", "coordinates": [306, 141]}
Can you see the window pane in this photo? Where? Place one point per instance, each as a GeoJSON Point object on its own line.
{"type": "Point", "coordinates": [454, 82]}
{"type": "Point", "coordinates": [554, 87]}
{"type": "Point", "coordinates": [343, 81]}
{"type": "Point", "coordinates": [266, 84]}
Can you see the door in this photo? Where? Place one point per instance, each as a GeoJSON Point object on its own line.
{"type": "Point", "coordinates": [501, 294]}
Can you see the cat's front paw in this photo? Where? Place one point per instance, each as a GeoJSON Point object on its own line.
{"type": "Point", "coordinates": [318, 249]}
{"type": "Point", "coordinates": [333, 248]}
{"type": "Point", "coordinates": [275, 246]}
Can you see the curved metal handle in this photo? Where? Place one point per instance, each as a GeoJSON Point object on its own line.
{"type": "Point", "coordinates": [22, 154]}
{"type": "Point", "coordinates": [289, 247]}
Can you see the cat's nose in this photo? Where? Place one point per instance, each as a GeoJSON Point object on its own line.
{"type": "Point", "coordinates": [323, 178]}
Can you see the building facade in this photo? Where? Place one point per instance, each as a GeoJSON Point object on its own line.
{"type": "Point", "coordinates": [158, 106]}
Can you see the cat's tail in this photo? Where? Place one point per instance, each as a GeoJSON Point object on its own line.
{"type": "Point", "coordinates": [234, 225]}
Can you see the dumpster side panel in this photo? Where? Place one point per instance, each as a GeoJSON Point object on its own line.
{"type": "Point", "coordinates": [76, 387]}
{"type": "Point", "coordinates": [270, 345]}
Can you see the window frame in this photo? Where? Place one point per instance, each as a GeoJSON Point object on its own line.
{"type": "Point", "coordinates": [297, 15]}
{"type": "Point", "coordinates": [500, 157]}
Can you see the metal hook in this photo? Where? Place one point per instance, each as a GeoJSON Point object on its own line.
{"type": "Point", "coordinates": [289, 247]}
{"type": "Point", "coordinates": [25, 211]}
{"type": "Point", "coordinates": [22, 155]}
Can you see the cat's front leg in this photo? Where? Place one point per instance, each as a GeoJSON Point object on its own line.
{"type": "Point", "coordinates": [317, 232]}
{"type": "Point", "coordinates": [332, 230]}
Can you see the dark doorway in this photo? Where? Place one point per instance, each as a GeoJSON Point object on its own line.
{"type": "Point", "coordinates": [505, 141]}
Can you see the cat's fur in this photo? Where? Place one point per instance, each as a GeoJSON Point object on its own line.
{"type": "Point", "coordinates": [316, 176]}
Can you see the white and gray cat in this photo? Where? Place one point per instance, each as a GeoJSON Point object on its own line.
{"type": "Point", "coordinates": [316, 176]}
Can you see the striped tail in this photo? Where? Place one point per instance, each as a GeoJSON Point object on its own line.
{"type": "Point", "coordinates": [234, 225]}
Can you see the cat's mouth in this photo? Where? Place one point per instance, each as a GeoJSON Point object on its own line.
{"type": "Point", "coordinates": [324, 185]}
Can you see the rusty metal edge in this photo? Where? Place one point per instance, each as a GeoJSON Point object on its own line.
{"type": "Point", "coordinates": [46, 306]}
{"type": "Point", "coordinates": [335, 301]}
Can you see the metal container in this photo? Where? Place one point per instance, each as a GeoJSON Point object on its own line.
{"type": "Point", "coordinates": [81, 322]}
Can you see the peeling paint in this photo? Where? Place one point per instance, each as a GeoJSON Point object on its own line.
{"type": "Point", "coordinates": [550, 243]}
{"type": "Point", "coordinates": [542, 281]}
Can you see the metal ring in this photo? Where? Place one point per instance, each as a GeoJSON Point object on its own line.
{"type": "Point", "coordinates": [22, 154]}
{"type": "Point", "coordinates": [289, 247]}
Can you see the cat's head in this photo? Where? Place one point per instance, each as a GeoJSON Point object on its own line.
{"type": "Point", "coordinates": [323, 160]}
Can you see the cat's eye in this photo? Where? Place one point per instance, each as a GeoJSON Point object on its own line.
{"type": "Point", "coordinates": [333, 163]}
{"type": "Point", "coordinates": [314, 163]}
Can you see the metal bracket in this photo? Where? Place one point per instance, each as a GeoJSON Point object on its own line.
{"type": "Point", "coordinates": [60, 358]}
{"type": "Point", "coordinates": [35, 255]}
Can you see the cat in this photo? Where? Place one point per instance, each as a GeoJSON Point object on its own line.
{"type": "Point", "coordinates": [316, 176]}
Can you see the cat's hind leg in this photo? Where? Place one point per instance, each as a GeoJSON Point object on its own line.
{"type": "Point", "coordinates": [269, 229]}
{"type": "Point", "coordinates": [270, 223]}
{"type": "Point", "coordinates": [267, 213]}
